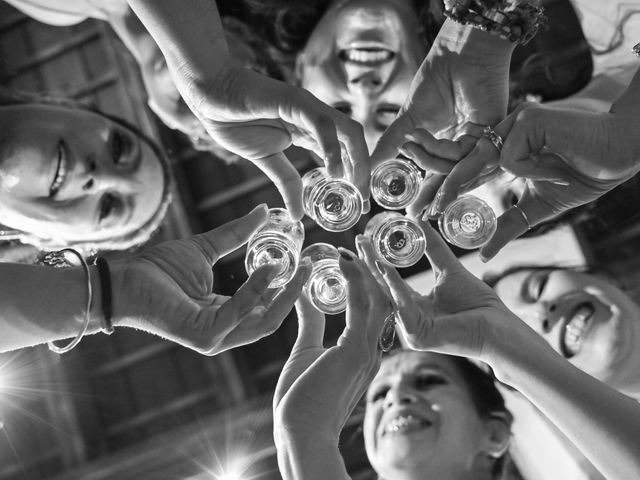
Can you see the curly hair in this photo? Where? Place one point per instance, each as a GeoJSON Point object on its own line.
{"type": "Point", "coordinates": [126, 241]}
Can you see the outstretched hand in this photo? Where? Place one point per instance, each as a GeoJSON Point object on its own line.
{"type": "Point", "coordinates": [460, 316]}
{"type": "Point", "coordinates": [461, 86]}
{"type": "Point", "coordinates": [168, 290]}
{"type": "Point", "coordinates": [319, 387]}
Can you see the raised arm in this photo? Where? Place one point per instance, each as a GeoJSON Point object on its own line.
{"type": "Point", "coordinates": [462, 316]}
{"type": "Point", "coordinates": [166, 290]}
{"type": "Point", "coordinates": [249, 114]}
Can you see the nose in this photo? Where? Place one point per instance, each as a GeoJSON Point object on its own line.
{"type": "Point", "coordinates": [544, 315]}
{"type": "Point", "coordinates": [368, 82]}
{"type": "Point", "coordinates": [400, 395]}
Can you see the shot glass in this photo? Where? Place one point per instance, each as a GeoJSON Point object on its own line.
{"type": "Point", "coordinates": [395, 183]}
{"type": "Point", "coordinates": [468, 222]}
{"type": "Point", "coordinates": [326, 286]}
{"type": "Point", "coordinates": [334, 203]}
{"type": "Point", "coordinates": [277, 242]}
{"type": "Point", "coordinates": [398, 240]}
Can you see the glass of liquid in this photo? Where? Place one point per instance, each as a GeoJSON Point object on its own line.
{"type": "Point", "coordinates": [398, 240]}
{"type": "Point", "coordinates": [277, 242]}
{"type": "Point", "coordinates": [395, 183]}
{"type": "Point", "coordinates": [334, 203]}
{"type": "Point", "coordinates": [468, 222]}
{"type": "Point", "coordinates": [327, 287]}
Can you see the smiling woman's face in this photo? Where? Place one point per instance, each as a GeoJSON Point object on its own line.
{"type": "Point", "coordinates": [73, 175]}
{"type": "Point", "coordinates": [420, 417]}
{"type": "Point", "coordinates": [592, 323]}
{"type": "Point", "coordinates": [361, 58]}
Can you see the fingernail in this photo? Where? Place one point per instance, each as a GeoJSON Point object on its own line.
{"type": "Point", "coordinates": [262, 206]}
{"type": "Point", "coordinates": [562, 183]}
{"type": "Point", "coordinates": [346, 254]}
{"type": "Point", "coordinates": [410, 137]}
{"type": "Point", "coordinates": [366, 206]}
{"type": "Point", "coordinates": [483, 259]}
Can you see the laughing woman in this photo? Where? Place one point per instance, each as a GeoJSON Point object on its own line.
{"type": "Point", "coordinates": [421, 420]}
{"type": "Point", "coordinates": [73, 176]}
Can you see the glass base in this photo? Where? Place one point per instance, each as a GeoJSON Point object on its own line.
{"type": "Point", "coordinates": [273, 250]}
{"type": "Point", "coordinates": [395, 184]}
{"type": "Point", "coordinates": [468, 222]}
{"type": "Point", "coordinates": [327, 287]}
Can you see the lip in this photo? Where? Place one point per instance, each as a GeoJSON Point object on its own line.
{"type": "Point", "coordinates": [405, 422]}
{"type": "Point", "coordinates": [370, 56]}
{"type": "Point", "coordinates": [575, 328]}
{"type": "Point", "coordinates": [62, 168]}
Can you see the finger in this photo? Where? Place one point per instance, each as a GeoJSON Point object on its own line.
{"type": "Point", "coordinates": [546, 167]}
{"type": "Point", "coordinates": [251, 293]}
{"type": "Point", "coordinates": [366, 253]}
{"type": "Point", "coordinates": [425, 160]}
{"type": "Point", "coordinates": [356, 160]}
{"type": "Point", "coordinates": [483, 156]}
{"type": "Point", "coordinates": [220, 241]}
{"type": "Point", "coordinates": [438, 252]}
{"type": "Point", "coordinates": [264, 319]}
{"type": "Point", "coordinates": [511, 224]}
{"type": "Point", "coordinates": [286, 179]}
{"type": "Point", "coordinates": [311, 324]}
{"type": "Point", "coordinates": [428, 189]}
{"type": "Point", "coordinates": [442, 147]}
{"type": "Point", "coordinates": [367, 304]}
{"type": "Point", "coordinates": [402, 295]}
{"type": "Point", "coordinates": [392, 140]}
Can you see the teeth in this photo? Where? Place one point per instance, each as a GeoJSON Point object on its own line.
{"type": "Point", "coordinates": [61, 171]}
{"type": "Point", "coordinates": [405, 423]}
{"type": "Point", "coordinates": [575, 328]}
{"type": "Point", "coordinates": [367, 56]}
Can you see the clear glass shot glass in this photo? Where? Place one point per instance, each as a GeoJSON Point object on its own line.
{"type": "Point", "coordinates": [398, 240]}
{"type": "Point", "coordinates": [395, 183]}
{"type": "Point", "coordinates": [327, 287]}
{"type": "Point", "coordinates": [277, 242]}
{"type": "Point", "coordinates": [334, 203]}
{"type": "Point", "coordinates": [468, 222]}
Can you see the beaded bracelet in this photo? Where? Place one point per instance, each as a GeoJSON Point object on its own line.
{"type": "Point", "coordinates": [59, 260]}
{"type": "Point", "coordinates": [517, 23]}
{"type": "Point", "coordinates": [106, 296]}
{"type": "Point", "coordinates": [636, 50]}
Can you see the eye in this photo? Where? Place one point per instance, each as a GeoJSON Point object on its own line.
{"type": "Point", "coordinates": [109, 203]}
{"type": "Point", "coordinates": [426, 381]}
{"type": "Point", "coordinates": [119, 147]}
{"type": "Point", "coordinates": [343, 108]}
{"type": "Point", "coordinates": [534, 285]}
{"type": "Point", "coordinates": [377, 394]}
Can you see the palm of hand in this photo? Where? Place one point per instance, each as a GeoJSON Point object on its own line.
{"type": "Point", "coordinates": [170, 296]}
{"type": "Point", "coordinates": [455, 315]}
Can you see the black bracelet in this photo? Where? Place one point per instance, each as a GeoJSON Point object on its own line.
{"type": "Point", "coordinates": [105, 289]}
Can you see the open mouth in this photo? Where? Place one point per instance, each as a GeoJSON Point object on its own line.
{"type": "Point", "coordinates": [405, 424]}
{"type": "Point", "coordinates": [575, 329]}
{"type": "Point", "coordinates": [61, 170]}
{"type": "Point", "coordinates": [367, 56]}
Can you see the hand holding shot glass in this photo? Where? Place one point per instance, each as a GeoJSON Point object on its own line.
{"type": "Point", "coordinates": [334, 203]}
{"type": "Point", "coordinates": [395, 184]}
{"type": "Point", "coordinates": [326, 286]}
{"type": "Point", "coordinates": [277, 242]}
{"type": "Point", "coordinates": [396, 239]}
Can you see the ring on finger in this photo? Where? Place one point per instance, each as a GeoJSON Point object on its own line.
{"type": "Point", "coordinates": [524, 216]}
{"type": "Point", "coordinates": [388, 335]}
{"type": "Point", "coordinates": [493, 137]}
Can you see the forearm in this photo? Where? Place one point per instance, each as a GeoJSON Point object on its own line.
{"type": "Point", "coordinates": [603, 423]}
{"type": "Point", "coordinates": [309, 459]}
{"type": "Point", "coordinates": [41, 304]}
{"type": "Point", "coordinates": [190, 34]}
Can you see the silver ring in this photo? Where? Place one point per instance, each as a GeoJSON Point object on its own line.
{"type": "Point", "coordinates": [493, 137]}
{"type": "Point", "coordinates": [388, 335]}
{"type": "Point", "coordinates": [524, 215]}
